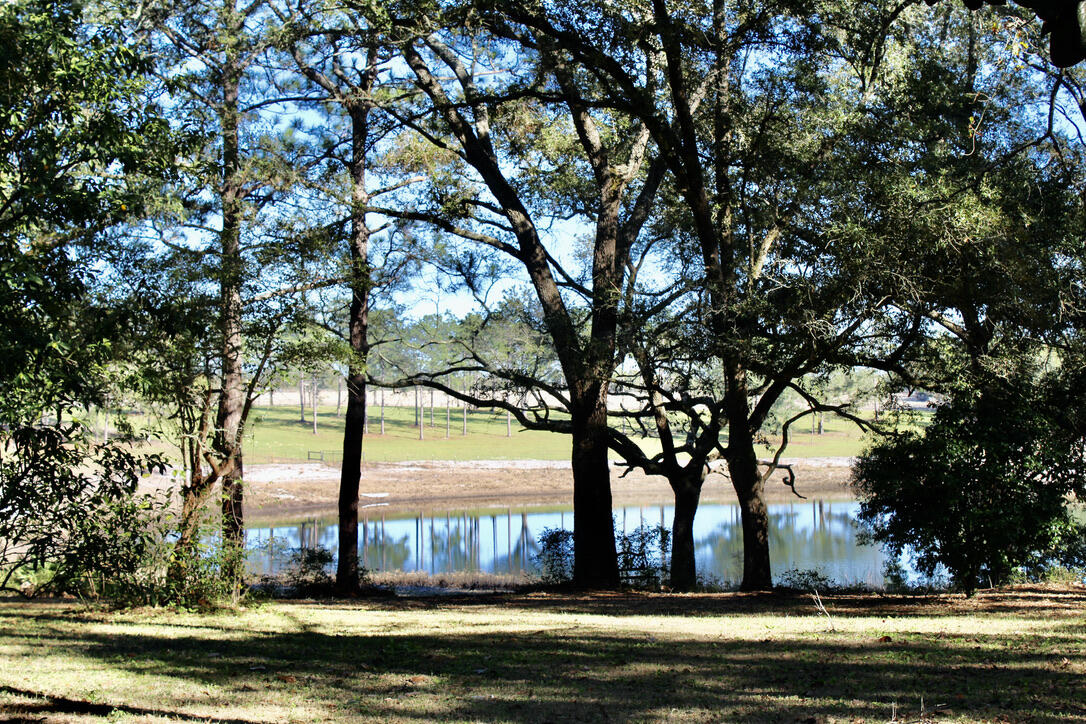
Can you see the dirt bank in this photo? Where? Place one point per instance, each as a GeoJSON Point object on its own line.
{"type": "Point", "coordinates": [290, 490]}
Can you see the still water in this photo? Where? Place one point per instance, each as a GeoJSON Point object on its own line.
{"type": "Point", "coordinates": [810, 535]}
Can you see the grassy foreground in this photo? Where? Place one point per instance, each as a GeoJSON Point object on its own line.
{"type": "Point", "coordinates": [1017, 655]}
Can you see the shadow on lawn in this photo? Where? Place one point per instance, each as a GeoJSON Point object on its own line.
{"type": "Point", "coordinates": [586, 675]}
{"type": "Point", "coordinates": [33, 706]}
{"type": "Point", "coordinates": [1025, 600]}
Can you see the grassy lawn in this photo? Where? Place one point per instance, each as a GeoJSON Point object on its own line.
{"type": "Point", "coordinates": [1017, 655]}
{"type": "Point", "coordinates": [277, 434]}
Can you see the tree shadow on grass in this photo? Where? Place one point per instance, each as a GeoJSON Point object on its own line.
{"type": "Point", "coordinates": [33, 706]}
{"type": "Point", "coordinates": [1026, 600]}
{"type": "Point", "coordinates": [585, 674]}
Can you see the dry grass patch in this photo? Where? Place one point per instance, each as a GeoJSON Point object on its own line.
{"type": "Point", "coordinates": [1013, 655]}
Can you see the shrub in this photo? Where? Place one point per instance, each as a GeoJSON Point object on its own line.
{"type": "Point", "coordinates": [806, 580]}
{"type": "Point", "coordinates": [309, 571]}
{"type": "Point", "coordinates": [642, 556]}
{"type": "Point", "coordinates": [555, 556]}
{"type": "Point", "coordinates": [71, 520]}
{"type": "Point", "coordinates": [984, 491]}
{"type": "Point", "coordinates": [195, 576]}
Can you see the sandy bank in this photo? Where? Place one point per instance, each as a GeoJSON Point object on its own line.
{"type": "Point", "coordinates": [287, 490]}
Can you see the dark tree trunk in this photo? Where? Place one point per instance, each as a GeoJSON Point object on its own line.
{"type": "Point", "coordinates": [347, 569]}
{"type": "Point", "coordinates": [747, 482]}
{"type": "Point", "coordinates": [595, 562]}
{"type": "Point", "coordinates": [233, 524]}
{"type": "Point", "coordinates": [687, 489]}
{"type": "Point", "coordinates": [749, 488]}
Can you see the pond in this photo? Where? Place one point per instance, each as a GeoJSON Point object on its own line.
{"type": "Point", "coordinates": [811, 535]}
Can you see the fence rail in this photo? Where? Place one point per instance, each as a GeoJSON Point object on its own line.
{"type": "Point", "coordinates": [327, 456]}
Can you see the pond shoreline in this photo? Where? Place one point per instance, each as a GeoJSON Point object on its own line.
{"type": "Point", "coordinates": [300, 489]}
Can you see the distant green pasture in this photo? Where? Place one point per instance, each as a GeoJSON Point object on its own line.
{"type": "Point", "coordinates": [277, 434]}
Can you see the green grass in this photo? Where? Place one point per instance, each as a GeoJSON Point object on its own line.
{"type": "Point", "coordinates": [1005, 656]}
{"type": "Point", "coordinates": [277, 433]}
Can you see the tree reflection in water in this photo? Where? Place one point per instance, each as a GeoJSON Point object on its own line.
{"type": "Point", "coordinates": [815, 535]}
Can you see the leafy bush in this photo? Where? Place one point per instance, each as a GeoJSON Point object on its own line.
{"type": "Point", "coordinates": [309, 572]}
{"type": "Point", "coordinates": [806, 580]}
{"type": "Point", "coordinates": [983, 491]}
{"type": "Point", "coordinates": [71, 520]}
{"type": "Point", "coordinates": [555, 557]}
{"type": "Point", "coordinates": [642, 556]}
{"type": "Point", "coordinates": [195, 575]}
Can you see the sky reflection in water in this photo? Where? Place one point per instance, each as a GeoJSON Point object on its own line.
{"type": "Point", "coordinates": [808, 535]}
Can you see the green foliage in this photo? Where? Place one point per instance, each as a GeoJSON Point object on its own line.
{"type": "Point", "coordinates": [194, 574]}
{"type": "Point", "coordinates": [642, 556]}
{"type": "Point", "coordinates": [555, 556]}
{"type": "Point", "coordinates": [70, 516]}
{"type": "Point", "coordinates": [78, 143]}
{"type": "Point", "coordinates": [309, 573]}
{"type": "Point", "coordinates": [68, 88]}
{"type": "Point", "coordinates": [808, 579]}
{"type": "Point", "coordinates": [984, 491]}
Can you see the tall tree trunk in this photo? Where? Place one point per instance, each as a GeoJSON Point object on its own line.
{"type": "Point", "coordinates": [687, 488]}
{"type": "Point", "coordinates": [595, 563]}
{"type": "Point", "coordinates": [301, 398]}
{"type": "Point", "coordinates": [232, 399]}
{"type": "Point", "coordinates": [347, 570]}
{"type": "Point", "coordinates": [749, 488]}
{"type": "Point", "coordinates": [747, 482]}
